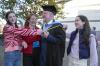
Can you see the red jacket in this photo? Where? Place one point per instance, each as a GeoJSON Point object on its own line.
{"type": "Point", "coordinates": [12, 37]}
{"type": "Point", "coordinates": [29, 40]}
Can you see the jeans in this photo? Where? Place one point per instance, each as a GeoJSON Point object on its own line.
{"type": "Point", "coordinates": [27, 60]}
{"type": "Point", "coordinates": [12, 58]}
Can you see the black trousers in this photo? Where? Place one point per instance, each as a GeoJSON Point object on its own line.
{"type": "Point", "coordinates": [27, 60]}
{"type": "Point", "coordinates": [33, 59]}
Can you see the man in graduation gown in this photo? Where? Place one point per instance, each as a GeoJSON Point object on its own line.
{"type": "Point", "coordinates": [53, 38]}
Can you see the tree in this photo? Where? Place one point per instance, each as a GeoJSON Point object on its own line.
{"type": "Point", "coordinates": [25, 7]}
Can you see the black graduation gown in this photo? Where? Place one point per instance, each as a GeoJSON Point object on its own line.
{"type": "Point", "coordinates": [55, 45]}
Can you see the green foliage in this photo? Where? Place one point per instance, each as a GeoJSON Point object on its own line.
{"type": "Point", "coordinates": [29, 1]}
{"type": "Point", "coordinates": [1, 36]}
{"type": "Point", "coordinates": [29, 6]}
{"type": "Point", "coordinates": [9, 4]}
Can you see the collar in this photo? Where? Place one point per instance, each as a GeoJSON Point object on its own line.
{"type": "Point", "coordinates": [50, 22]}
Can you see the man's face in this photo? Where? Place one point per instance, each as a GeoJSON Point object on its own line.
{"type": "Point", "coordinates": [46, 16]}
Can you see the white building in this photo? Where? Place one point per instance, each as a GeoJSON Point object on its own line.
{"type": "Point", "coordinates": [89, 8]}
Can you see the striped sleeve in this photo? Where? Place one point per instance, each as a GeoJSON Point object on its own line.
{"type": "Point", "coordinates": [24, 32]}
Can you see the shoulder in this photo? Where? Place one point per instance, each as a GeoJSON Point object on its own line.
{"type": "Point", "coordinates": [92, 36]}
{"type": "Point", "coordinates": [58, 24]}
{"type": "Point", "coordinates": [73, 32]}
{"type": "Point", "coordinates": [7, 26]}
{"type": "Point", "coordinates": [93, 32]}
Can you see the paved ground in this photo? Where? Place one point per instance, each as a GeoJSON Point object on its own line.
{"type": "Point", "coordinates": [65, 62]}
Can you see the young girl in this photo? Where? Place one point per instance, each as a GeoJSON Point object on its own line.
{"type": "Point", "coordinates": [31, 54]}
{"type": "Point", "coordinates": [12, 40]}
{"type": "Point", "coordinates": [82, 44]}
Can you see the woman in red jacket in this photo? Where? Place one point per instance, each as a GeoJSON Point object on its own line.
{"type": "Point", "coordinates": [31, 53]}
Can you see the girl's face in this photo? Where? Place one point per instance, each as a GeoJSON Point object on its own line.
{"type": "Point", "coordinates": [79, 23]}
{"type": "Point", "coordinates": [32, 19]}
{"type": "Point", "coordinates": [12, 18]}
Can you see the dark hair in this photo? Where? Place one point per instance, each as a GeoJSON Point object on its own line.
{"type": "Point", "coordinates": [6, 17]}
{"type": "Point", "coordinates": [86, 29]}
{"type": "Point", "coordinates": [27, 20]}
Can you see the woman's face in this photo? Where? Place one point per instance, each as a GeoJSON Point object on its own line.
{"type": "Point", "coordinates": [79, 23]}
{"type": "Point", "coordinates": [12, 18]}
{"type": "Point", "coordinates": [32, 19]}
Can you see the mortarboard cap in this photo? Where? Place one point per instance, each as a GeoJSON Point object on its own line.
{"type": "Point", "coordinates": [50, 8]}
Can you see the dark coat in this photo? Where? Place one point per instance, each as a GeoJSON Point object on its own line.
{"type": "Point", "coordinates": [84, 51]}
{"type": "Point", "coordinates": [55, 45]}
